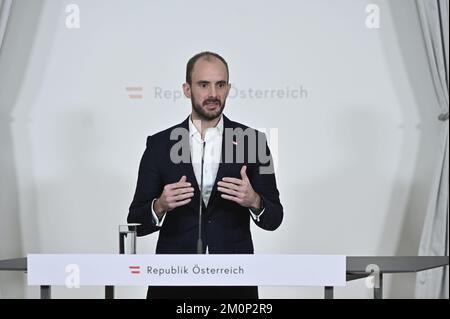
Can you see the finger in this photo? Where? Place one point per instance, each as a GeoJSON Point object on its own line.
{"type": "Point", "coordinates": [181, 190]}
{"type": "Point", "coordinates": [244, 173]}
{"type": "Point", "coordinates": [229, 185]}
{"type": "Point", "coordinates": [229, 191]}
{"type": "Point", "coordinates": [182, 180]}
{"type": "Point", "coordinates": [178, 185]}
{"type": "Point", "coordinates": [181, 197]}
{"type": "Point", "coordinates": [232, 198]}
{"type": "Point", "coordinates": [233, 180]}
{"type": "Point", "coordinates": [184, 202]}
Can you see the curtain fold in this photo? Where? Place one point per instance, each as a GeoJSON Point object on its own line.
{"type": "Point", "coordinates": [434, 283]}
{"type": "Point", "coordinates": [5, 7]}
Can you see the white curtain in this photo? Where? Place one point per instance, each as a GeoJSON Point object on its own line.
{"type": "Point", "coordinates": [435, 239]}
{"type": "Point", "coordinates": [5, 7]}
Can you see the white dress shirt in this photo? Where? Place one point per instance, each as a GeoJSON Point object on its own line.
{"type": "Point", "coordinates": [213, 152]}
{"type": "Point", "coordinates": [211, 161]}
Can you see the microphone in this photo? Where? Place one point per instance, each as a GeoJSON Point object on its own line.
{"type": "Point", "coordinates": [200, 210]}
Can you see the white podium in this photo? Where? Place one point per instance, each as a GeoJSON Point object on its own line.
{"type": "Point", "coordinates": [326, 271]}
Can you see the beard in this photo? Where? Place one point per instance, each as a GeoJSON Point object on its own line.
{"type": "Point", "coordinates": [206, 114]}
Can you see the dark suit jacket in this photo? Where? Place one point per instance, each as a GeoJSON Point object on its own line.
{"type": "Point", "coordinates": [225, 224]}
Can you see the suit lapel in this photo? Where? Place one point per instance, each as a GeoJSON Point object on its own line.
{"type": "Point", "coordinates": [187, 168]}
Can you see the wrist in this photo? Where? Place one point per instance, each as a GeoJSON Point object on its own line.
{"type": "Point", "coordinates": [159, 211]}
{"type": "Point", "coordinates": [256, 203]}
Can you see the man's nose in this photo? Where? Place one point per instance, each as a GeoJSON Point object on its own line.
{"type": "Point", "coordinates": [213, 91]}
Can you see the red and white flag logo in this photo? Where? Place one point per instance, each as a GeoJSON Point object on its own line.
{"type": "Point", "coordinates": [135, 270]}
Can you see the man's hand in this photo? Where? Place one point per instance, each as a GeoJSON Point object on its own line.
{"type": "Point", "coordinates": [173, 195]}
{"type": "Point", "coordinates": [239, 190]}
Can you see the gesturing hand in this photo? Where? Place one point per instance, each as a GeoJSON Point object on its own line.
{"type": "Point", "coordinates": [173, 195]}
{"type": "Point", "coordinates": [239, 190]}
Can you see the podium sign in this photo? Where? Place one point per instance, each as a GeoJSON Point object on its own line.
{"type": "Point", "coordinates": [186, 270]}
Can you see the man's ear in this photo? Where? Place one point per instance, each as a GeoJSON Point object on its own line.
{"type": "Point", "coordinates": [228, 88]}
{"type": "Point", "coordinates": [187, 90]}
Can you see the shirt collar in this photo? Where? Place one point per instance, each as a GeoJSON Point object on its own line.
{"type": "Point", "coordinates": [217, 130]}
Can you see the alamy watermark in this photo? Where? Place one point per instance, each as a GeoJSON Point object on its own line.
{"type": "Point", "coordinates": [72, 20]}
{"type": "Point", "coordinates": [373, 16]}
{"type": "Point", "coordinates": [373, 280]}
{"type": "Point", "coordinates": [73, 276]}
{"type": "Point", "coordinates": [239, 145]}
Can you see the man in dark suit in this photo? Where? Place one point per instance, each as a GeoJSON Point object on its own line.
{"type": "Point", "coordinates": [207, 159]}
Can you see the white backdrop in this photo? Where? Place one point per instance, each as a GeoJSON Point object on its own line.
{"type": "Point", "coordinates": [355, 150]}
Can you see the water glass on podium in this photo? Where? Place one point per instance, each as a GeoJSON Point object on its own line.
{"type": "Point", "coordinates": [127, 238]}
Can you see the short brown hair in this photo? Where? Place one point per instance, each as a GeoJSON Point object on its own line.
{"type": "Point", "coordinates": [206, 55]}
